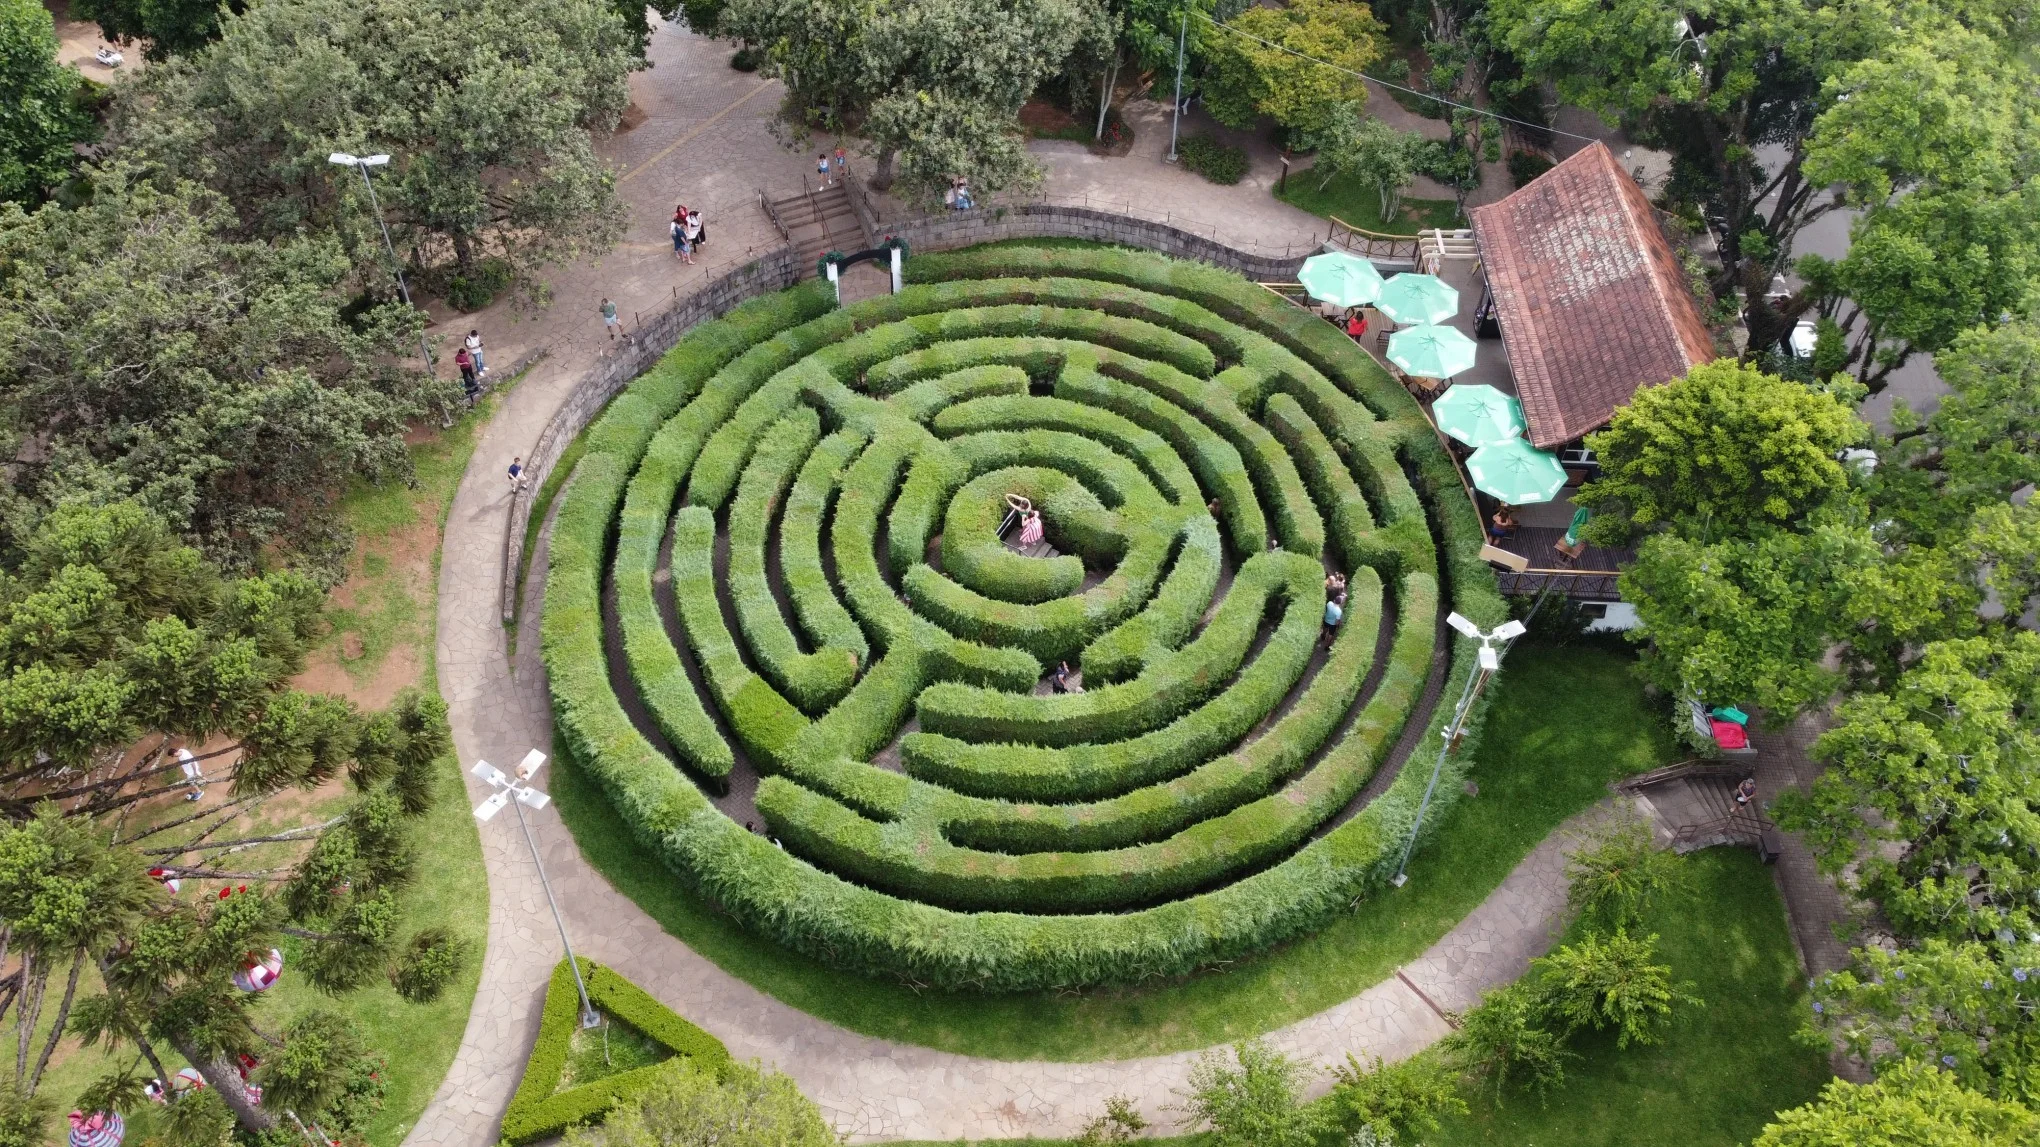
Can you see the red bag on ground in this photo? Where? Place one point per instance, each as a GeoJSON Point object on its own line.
{"type": "Point", "coordinates": [1730, 735]}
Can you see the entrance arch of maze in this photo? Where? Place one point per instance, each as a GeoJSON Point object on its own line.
{"type": "Point", "coordinates": [778, 600]}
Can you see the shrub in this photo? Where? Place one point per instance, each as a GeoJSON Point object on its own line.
{"type": "Point", "coordinates": [1507, 1038]}
{"type": "Point", "coordinates": [477, 288]}
{"type": "Point", "coordinates": [1254, 1104]}
{"type": "Point", "coordinates": [1609, 982]}
{"type": "Point", "coordinates": [433, 959]}
{"type": "Point", "coordinates": [1218, 162]}
{"type": "Point", "coordinates": [1615, 877]}
{"type": "Point", "coordinates": [1394, 1102]}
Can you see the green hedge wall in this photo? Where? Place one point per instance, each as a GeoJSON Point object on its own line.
{"type": "Point", "coordinates": [1032, 841]}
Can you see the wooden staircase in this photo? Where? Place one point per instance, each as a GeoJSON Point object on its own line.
{"type": "Point", "coordinates": [817, 220]}
{"type": "Point", "coordinates": [1692, 805]}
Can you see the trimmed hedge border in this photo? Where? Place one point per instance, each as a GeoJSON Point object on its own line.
{"type": "Point", "coordinates": [536, 1111]}
{"type": "Point", "coordinates": [1186, 370]}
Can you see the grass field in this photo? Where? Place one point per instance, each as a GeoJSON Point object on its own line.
{"type": "Point", "coordinates": [1566, 721]}
{"type": "Point", "coordinates": [1356, 203]}
{"type": "Point", "coordinates": [1724, 1069]}
{"type": "Point", "coordinates": [1725, 1066]}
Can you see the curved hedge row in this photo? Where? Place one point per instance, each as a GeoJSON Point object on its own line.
{"type": "Point", "coordinates": [831, 487]}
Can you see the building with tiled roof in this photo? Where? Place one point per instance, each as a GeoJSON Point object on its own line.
{"type": "Point", "coordinates": [1590, 297]}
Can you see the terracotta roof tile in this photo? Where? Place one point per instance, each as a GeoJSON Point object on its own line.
{"type": "Point", "coordinates": [1592, 301]}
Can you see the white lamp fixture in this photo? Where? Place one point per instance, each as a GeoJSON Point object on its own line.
{"type": "Point", "coordinates": [518, 791]}
{"type": "Point", "coordinates": [1487, 660]}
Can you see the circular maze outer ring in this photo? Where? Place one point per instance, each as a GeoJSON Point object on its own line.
{"type": "Point", "coordinates": [1106, 910]}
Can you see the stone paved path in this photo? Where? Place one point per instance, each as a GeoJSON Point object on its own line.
{"type": "Point", "coordinates": [706, 140]}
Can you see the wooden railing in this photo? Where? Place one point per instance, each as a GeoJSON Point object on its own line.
{"type": "Point", "coordinates": [1373, 244]}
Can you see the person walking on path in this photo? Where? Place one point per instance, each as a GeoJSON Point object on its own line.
{"type": "Point", "coordinates": [609, 318]}
{"type": "Point", "coordinates": [1335, 612]}
{"type": "Point", "coordinates": [468, 383]}
{"type": "Point", "coordinates": [473, 343]}
{"type": "Point", "coordinates": [517, 473]}
{"type": "Point", "coordinates": [822, 167]}
{"type": "Point", "coordinates": [194, 775]}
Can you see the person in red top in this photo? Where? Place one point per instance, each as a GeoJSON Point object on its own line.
{"type": "Point", "coordinates": [1356, 325]}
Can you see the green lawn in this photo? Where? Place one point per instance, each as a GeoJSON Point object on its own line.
{"type": "Point", "coordinates": [1357, 203]}
{"type": "Point", "coordinates": [1724, 1068]}
{"type": "Point", "coordinates": [1566, 721]}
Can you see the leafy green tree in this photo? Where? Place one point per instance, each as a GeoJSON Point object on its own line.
{"type": "Point", "coordinates": [145, 354]}
{"type": "Point", "coordinates": [1975, 450]}
{"type": "Point", "coordinates": [1508, 1038]}
{"type": "Point", "coordinates": [1394, 1102]}
{"type": "Point", "coordinates": [936, 85]}
{"type": "Point", "coordinates": [1909, 1105]}
{"type": "Point", "coordinates": [1608, 981]}
{"type": "Point", "coordinates": [1255, 1103]}
{"type": "Point", "coordinates": [485, 107]}
{"type": "Point", "coordinates": [1248, 72]}
{"type": "Point", "coordinates": [1930, 266]}
{"type": "Point", "coordinates": [1945, 760]}
{"type": "Point", "coordinates": [1884, 96]}
{"type": "Point", "coordinates": [1964, 1006]}
{"type": "Point", "coordinates": [741, 1107]}
{"type": "Point", "coordinates": [39, 114]}
{"type": "Point", "coordinates": [1370, 151]}
{"type": "Point", "coordinates": [1614, 878]}
{"type": "Point", "coordinates": [163, 28]}
{"type": "Point", "coordinates": [1721, 453]}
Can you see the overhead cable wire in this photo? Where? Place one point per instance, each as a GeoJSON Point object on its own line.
{"type": "Point", "coordinates": [1398, 87]}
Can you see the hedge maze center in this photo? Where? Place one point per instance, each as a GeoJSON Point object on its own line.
{"type": "Point", "coordinates": [785, 633]}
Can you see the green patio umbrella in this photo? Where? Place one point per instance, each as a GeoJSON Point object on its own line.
{"type": "Point", "coordinates": [1432, 352]}
{"type": "Point", "coordinates": [1477, 415]}
{"type": "Point", "coordinates": [1516, 472]}
{"type": "Point", "coordinates": [1340, 279]}
{"type": "Point", "coordinates": [1579, 519]}
{"type": "Point", "coordinates": [1411, 298]}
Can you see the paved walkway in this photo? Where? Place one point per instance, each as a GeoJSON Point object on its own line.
{"type": "Point", "coordinates": [873, 1089]}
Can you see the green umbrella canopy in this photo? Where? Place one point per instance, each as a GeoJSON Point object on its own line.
{"type": "Point", "coordinates": [1516, 472]}
{"type": "Point", "coordinates": [1432, 352]}
{"type": "Point", "coordinates": [1477, 415]}
{"type": "Point", "coordinates": [1340, 279]}
{"type": "Point", "coordinates": [1412, 298]}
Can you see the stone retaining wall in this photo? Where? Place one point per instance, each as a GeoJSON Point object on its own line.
{"type": "Point", "coordinates": [783, 267]}
{"type": "Point", "coordinates": [643, 347]}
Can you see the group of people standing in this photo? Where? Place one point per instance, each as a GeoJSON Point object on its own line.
{"type": "Point", "coordinates": [472, 370]}
{"type": "Point", "coordinates": [1335, 603]}
{"type": "Point", "coordinates": [688, 233]}
{"type": "Point", "coordinates": [832, 171]}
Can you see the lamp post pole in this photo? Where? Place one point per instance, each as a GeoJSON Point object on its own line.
{"type": "Point", "coordinates": [362, 163]}
{"type": "Point", "coordinates": [520, 792]}
{"type": "Point", "coordinates": [1176, 117]}
{"type": "Point", "coordinates": [1490, 660]}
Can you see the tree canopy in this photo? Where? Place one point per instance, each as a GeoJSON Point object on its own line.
{"type": "Point", "coordinates": [226, 385]}
{"type": "Point", "coordinates": [484, 106]}
{"type": "Point", "coordinates": [1910, 1105]}
{"type": "Point", "coordinates": [1766, 104]}
{"type": "Point", "coordinates": [740, 1107]}
{"type": "Point", "coordinates": [1257, 67]}
{"type": "Point", "coordinates": [1723, 452]}
{"type": "Point", "coordinates": [39, 114]}
{"type": "Point", "coordinates": [935, 85]}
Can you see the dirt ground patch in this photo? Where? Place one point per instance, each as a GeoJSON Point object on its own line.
{"type": "Point", "coordinates": [1038, 117]}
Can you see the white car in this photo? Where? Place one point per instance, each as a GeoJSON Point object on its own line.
{"type": "Point", "coordinates": [107, 57]}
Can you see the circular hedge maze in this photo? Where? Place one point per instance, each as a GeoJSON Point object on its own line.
{"type": "Point", "coordinates": [780, 594]}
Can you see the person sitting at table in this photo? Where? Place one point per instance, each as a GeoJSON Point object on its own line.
{"type": "Point", "coordinates": [1502, 524]}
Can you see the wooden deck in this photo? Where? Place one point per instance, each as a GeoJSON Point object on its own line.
{"type": "Point", "coordinates": [1590, 578]}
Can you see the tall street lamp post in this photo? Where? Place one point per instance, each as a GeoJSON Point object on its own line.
{"type": "Point", "coordinates": [362, 163]}
{"type": "Point", "coordinates": [517, 792]}
{"type": "Point", "coordinates": [1490, 660]}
